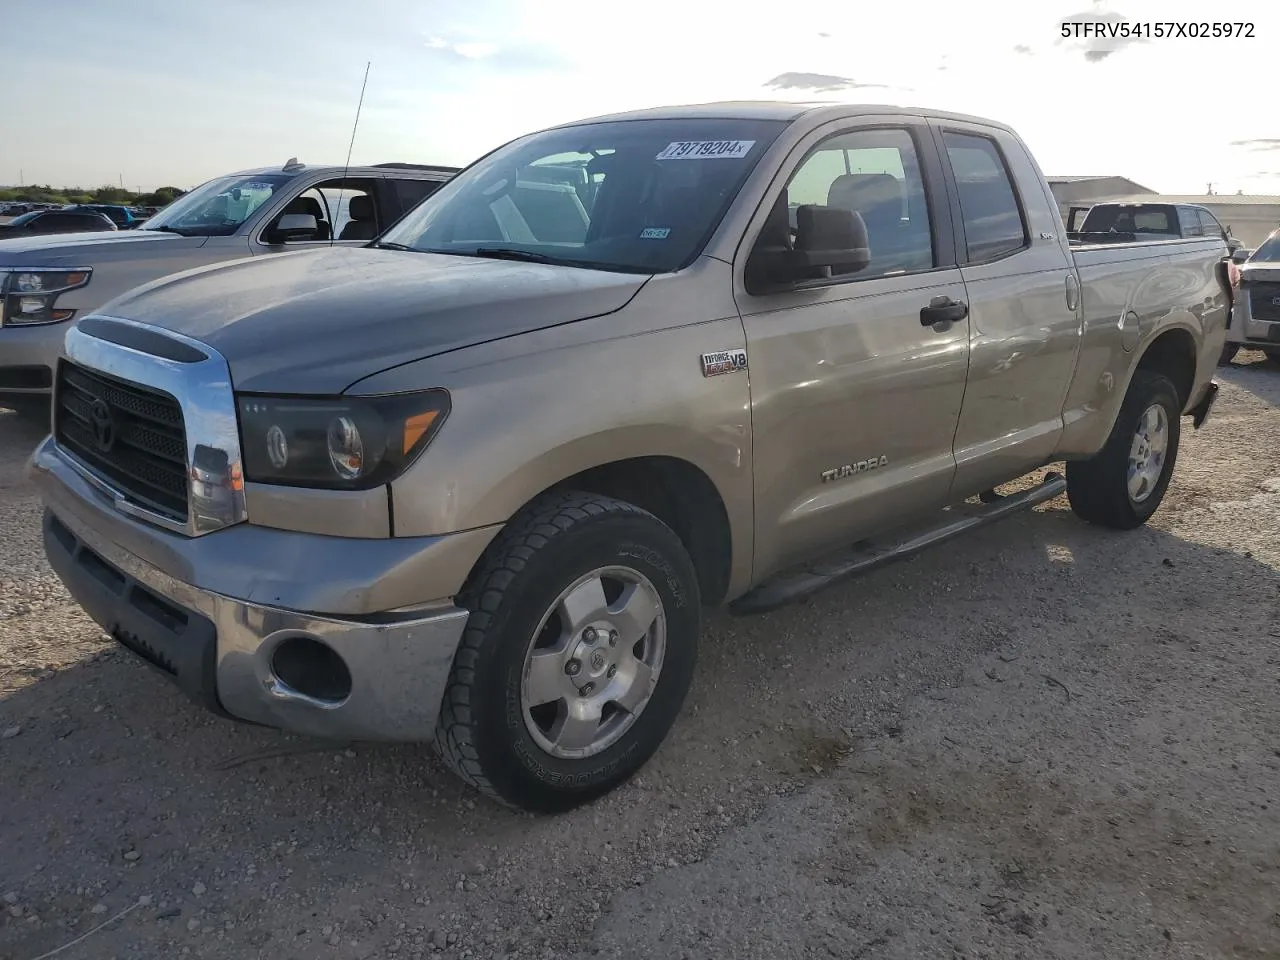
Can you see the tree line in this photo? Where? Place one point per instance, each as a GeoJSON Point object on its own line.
{"type": "Point", "coordinates": [35, 193]}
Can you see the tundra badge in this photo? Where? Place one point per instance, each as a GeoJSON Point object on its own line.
{"type": "Point", "coordinates": [723, 361]}
{"type": "Point", "coordinates": [851, 469]}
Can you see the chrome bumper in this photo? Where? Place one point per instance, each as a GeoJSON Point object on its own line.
{"type": "Point", "coordinates": [222, 650]}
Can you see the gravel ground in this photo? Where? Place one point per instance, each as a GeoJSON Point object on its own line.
{"type": "Point", "coordinates": [1045, 741]}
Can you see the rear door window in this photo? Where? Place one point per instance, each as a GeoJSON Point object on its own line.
{"type": "Point", "coordinates": [409, 193]}
{"type": "Point", "coordinates": [1211, 227]}
{"type": "Point", "coordinates": [993, 224]}
{"type": "Point", "coordinates": [1190, 222]}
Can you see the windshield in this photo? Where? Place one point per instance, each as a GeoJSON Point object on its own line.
{"type": "Point", "coordinates": [25, 218]}
{"type": "Point", "coordinates": [639, 196]}
{"type": "Point", "coordinates": [1268, 252]}
{"type": "Point", "coordinates": [217, 208]}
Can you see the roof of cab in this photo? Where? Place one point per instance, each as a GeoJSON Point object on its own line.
{"type": "Point", "coordinates": [784, 110]}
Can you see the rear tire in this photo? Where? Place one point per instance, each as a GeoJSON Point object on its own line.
{"type": "Point", "coordinates": [577, 657]}
{"type": "Point", "coordinates": [1123, 485]}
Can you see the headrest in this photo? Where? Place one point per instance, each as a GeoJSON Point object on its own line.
{"type": "Point", "coordinates": [361, 207]}
{"type": "Point", "coordinates": [305, 206]}
{"type": "Point", "coordinates": [861, 191]}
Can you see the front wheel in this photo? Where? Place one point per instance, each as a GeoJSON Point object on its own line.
{"type": "Point", "coordinates": [1273, 355]}
{"type": "Point", "coordinates": [1124, 484]}
{"type": "Point", "coordinates": [1229, 351]}
{"type": "Point", "coordinates": [577, 657]}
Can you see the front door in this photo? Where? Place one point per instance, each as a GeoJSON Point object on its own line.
{"type": "Point", "coordinates": [855, 393]}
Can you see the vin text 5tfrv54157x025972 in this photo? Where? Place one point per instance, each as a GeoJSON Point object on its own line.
{"type": "Point", "coordinates": [476, 481]}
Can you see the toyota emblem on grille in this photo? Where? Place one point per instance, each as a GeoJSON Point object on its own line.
{"type": "Point", "coordinates": [1275, 301]}
{"type": "Point", "coordinates": [104, 425]}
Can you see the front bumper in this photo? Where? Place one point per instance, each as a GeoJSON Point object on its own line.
{"type": "Point", "coordinates": [1248, 331]}
{"type": "Point", "coordinates": [28, 356]}
{"type": "Point", "coordinates": [223, 650]}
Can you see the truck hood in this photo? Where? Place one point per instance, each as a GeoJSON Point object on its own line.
{"type": "Point", "coordinates": [59, 248]}
{"type": "Point", "coordinates": [315, 322]}
{"type": "Point", "coordinates": [1267, 271]}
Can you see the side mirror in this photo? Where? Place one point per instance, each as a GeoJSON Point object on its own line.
{"type": "Point", "coordinates": [1240, 255]}
{"type": "Point", "coordinates": [829, 241]}
{"type": "Point", "coordinates": [294, 226]}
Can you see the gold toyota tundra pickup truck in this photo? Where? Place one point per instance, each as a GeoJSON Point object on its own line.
{"type": "Point", "coordinates": [476, 481]}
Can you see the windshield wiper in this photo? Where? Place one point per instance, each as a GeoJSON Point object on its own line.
{"type": "Point", "coordinates": [529, 256]}
{"type": "Point", "coordinates": [392, 245]}
{"type": "Point", "coordinates": [165, 228]}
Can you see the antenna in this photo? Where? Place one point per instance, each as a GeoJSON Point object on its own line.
{"type": "Point", "coordinates": [351, 146]}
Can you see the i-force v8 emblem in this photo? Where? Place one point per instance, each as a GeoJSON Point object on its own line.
{"type": "Point", "coordinates": [723, 361]}
{"type": "Point", "coordinates": [852, 469]}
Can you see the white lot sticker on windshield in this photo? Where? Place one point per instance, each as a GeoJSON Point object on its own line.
{"type": "Point", "coordinates": [655, 233]}
{"type": "Point", "coordinates": [706, 150]}
{"type": "Point", "coordinates": [257, 186]}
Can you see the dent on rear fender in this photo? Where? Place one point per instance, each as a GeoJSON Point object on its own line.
{"type": "Point", "coordinates": [1176, 292]}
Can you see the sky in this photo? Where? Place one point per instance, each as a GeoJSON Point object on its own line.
{"type": "Point", "coordinates": [158, 92]}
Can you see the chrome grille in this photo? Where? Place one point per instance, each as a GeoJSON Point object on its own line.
{"type": "Point", "coordinates": [133, 436]}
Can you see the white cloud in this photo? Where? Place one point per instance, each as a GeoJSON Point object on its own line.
{"type": "Point", "coordinates": [468, 51]}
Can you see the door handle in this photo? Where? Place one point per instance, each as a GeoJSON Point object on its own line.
{"type": "Point", "coordinates": [943, 310]}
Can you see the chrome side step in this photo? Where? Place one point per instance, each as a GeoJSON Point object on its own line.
{"type": "Point", "coordinates": [793, 585]}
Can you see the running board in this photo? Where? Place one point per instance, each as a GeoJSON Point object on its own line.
{"type": "Point", "coordinates": [793, 585]}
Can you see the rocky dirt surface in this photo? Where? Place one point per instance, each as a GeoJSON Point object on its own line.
{"type": "Point", "coordinates": [1044, 741]}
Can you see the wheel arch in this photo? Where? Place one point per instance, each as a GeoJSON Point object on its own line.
{"type": "Point", "coordinates": [676, 491]}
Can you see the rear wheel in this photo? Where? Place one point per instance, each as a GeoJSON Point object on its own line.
{"type": "Point", "coordinates": [577, 657]}
{"type": "Point", "coordinates": [1124, 484]}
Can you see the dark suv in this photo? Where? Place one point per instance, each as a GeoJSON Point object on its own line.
{"type": "Point", "coordinates": [55, 221]}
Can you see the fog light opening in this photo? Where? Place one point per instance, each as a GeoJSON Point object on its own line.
{"type": "Point", "coordinates": [311, 668]}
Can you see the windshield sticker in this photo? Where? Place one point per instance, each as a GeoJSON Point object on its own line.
{"type": "Point", "coordinates": [655, 233]}
{"type": "Point", "coordinates": [706, 150]}
{"type": "Point", "coordinates": [257, 186]}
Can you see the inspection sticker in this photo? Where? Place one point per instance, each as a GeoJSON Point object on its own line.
{"type": "Point", "coordinates": [706, 150]}
{"type": "Point", "coordinates": [655, 233]}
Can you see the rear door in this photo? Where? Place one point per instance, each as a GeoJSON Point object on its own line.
{"type": "Point", "coordinates": [855, 395]}
{"type": "Point", "coordinates": [1024, 326]}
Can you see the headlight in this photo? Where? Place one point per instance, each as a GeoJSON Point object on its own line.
{"type": "Point", "coordinates": [344, 443]}
{"type": "Point", "coordinates": [27, 297]}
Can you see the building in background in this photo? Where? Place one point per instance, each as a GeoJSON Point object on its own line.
{"type": "Point", "coordinates": [1084, 191]}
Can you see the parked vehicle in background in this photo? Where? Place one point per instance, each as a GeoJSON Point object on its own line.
{"type": "Point", "coordinates": [1111, 222]}
{"type": "Point", "coordinates": [123, 217]}
{"type": "Point", "coordinates": [246, 214]}
{"type": "Point", "coordinates": [14, 209]}
{"type": "Point", "coordinates": [1255, 314]}
{"type": "Point", "coordinates": [45, 222]}
{"type": "Point", "coordinates": [476, 481]}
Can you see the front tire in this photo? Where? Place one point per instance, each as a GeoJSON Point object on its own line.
{"type": "Point", "coordinates": [1229, 351]}
{"type": "Point", "coordinates": [1273, 355]}
{"type": "Point", "coordinates": [1123, 485]}
{"type": "Point", "coordinates": [577, 657]}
